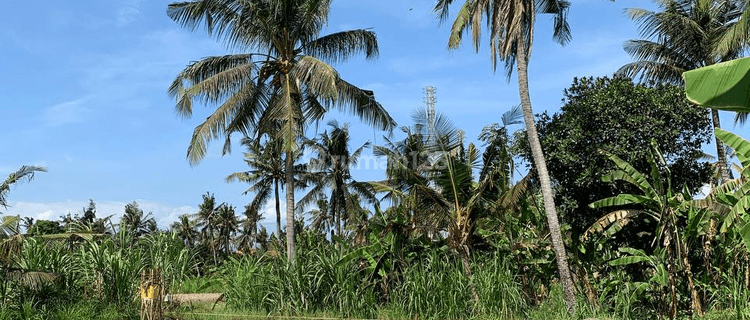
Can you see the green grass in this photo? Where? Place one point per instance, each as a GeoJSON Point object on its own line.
{"type": "Point", "coordinates": [82, 310]}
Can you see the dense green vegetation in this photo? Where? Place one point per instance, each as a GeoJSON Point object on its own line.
{"type": "Point", "coordinates": [453, 230]}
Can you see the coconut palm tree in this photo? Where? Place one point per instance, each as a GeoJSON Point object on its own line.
{"type": "Point", "coordinates": [135, 222]}
{"type": "Point", "coordinates": [287, 82]}
{"type": "Point", "coordinates": [227, 224]}
{"type": "Point", "coordinates": [206, 221]}
{"type": "Point", "coordinates": [185, 228]}
{"type": "Point", "coordinates": [320, 220]}
{"type": "Point", "coordinates": [25, 173]}
{"type": "Point", "coordinates": [686, 35]}
{"type": "Point", "coordinates": [249, 229]}
{"type": "Point", "coordinates": [511, 30]}
{"type": "Point", "coordinates": [27, 222]}
{"type": "Point", "coordinates": [266, 174]}
{"type": "Point", "coordinates": [330, 165]}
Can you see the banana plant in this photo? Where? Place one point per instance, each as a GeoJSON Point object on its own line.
{"type": "Point", "coordinates": [731, 200]}
{"type": "Point", "coordinates": [658, 202]}
{"type": "Point", "coordinates": [386, 255]}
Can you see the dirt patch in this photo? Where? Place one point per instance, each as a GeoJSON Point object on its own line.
{"type": "Point", "coordinates": [181, 298]}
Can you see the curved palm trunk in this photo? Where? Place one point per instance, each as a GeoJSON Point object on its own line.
{"type": "Point", "coordinates": [541, 168]}
{"type": "Point", "coordinates": [278, 210]}
{"type": "Point", "coordinates": [720, 152]}
{"type": "Point", "coordinates": [290, 205]}
{"type": "Point", "coordinates": [724, 172]}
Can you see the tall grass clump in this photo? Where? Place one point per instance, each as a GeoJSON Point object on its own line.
{"type": "Point", "coordinates": [245, 284]}
{"type": "Point", "coordinates": [313, 285]}
{"type": "Point", "coordinates": [434, 287]}
{"type": "Point", "coordinates": [166, 252]}
{"type": "Point", "coordinates": [499, 291]}
{"type": "Point", "coordinates": [111, 271]}
{"type": "Point", "coordinates": [350, 293]}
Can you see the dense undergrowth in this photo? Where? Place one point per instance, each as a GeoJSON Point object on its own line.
{"type": "Point", "coordinates": [98, 279]}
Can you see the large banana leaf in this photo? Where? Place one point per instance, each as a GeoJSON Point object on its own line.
{"type": "Point", "coordinates": [722, 86]}
{"type": "Point", "coordinates": [611, 223]}
{"type": "Point", "coordinates": [745, 234]}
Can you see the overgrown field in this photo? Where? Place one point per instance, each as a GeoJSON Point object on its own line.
{"type": "Point", "coordinates": [99, 277]}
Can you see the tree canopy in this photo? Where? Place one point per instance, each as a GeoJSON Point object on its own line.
{"type": "Point", "coordinates": [620, 117]}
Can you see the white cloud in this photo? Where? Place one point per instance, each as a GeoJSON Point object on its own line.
{"type": "Point", "coordinates": [128, 12]}
{"type": "Point", "coordinates": [66, 112]}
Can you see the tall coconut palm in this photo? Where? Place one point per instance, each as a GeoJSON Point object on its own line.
{"type": "Point", "coordinates": [136, 222]}
{"type": "Point", "coordinates": [511, 29]}
{"type": "Point", "coordinates": [227, 224]}
{"type": "Point", "coordinates": [206, 218]}
{"type": "Point", "coordinates": [288, 82]}
{"type": "Point", "coordinates": [185, 228]}
{"type": "Point", "coordinates": [320, 220]}
{"type": "Point", "coordinates": [686, 35]}
{"type": "Point", "coordinates": [331, 168]}
{"type": "Point", "coordinates": [249, 229]}
{"type": "Point", "coordinates": [25, 173]}
{"type": "Point", "coordinates": [27, 223]}
{"type": "Point", "coordinates": [266, 174]}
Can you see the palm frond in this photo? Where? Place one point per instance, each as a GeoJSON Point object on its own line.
{"type": "Point", "coordinates": [25, 173]}
{"type": "Point", "coordinates": [9, 226]}
{"type": "Point", "coordinates": [362, 103]}
{"type": "Point", "coordinates": [318, 76]}
{"type": "Point", "coordinates": [340, 46]}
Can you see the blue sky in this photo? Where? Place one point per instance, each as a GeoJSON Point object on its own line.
{"type": "Point", "coordinates": [85, 82]}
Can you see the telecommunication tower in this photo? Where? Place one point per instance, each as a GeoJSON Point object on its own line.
{"type": "Point", "coordinates": [429, 102]}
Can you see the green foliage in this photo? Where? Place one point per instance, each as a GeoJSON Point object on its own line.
{"type": "Point", "coordinates": [166, 252]}
{"type": "Point", "coordinates": [616, 115]}
{"type": "Point", "coordinates": [274, 286]}
{"type": "Point", "coordinates": [330, 173]}
{"type": "Point", "coordinates": [434, 287]}
{"type": "Point", "coordinates": [135, 222]}
{"type": "Point", "coordinates": [25, 173]}
{"type": "Point", "coordinates": [42, 227]}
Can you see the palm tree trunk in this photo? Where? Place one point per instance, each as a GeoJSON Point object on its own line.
{"type": "Point", "coordinates": [337, 211]}
{"type": "Point", "coordinates": [289, 172]}
{"type": "Point", "coordinates": [720, 153]}
{"type": "Point", "coordinates": [278, 210]}
{"type": "Point", "coordinates": [541, 168]}
{"type": "Point", "coordinates": [695, 297]}
{"type": "Point", "coordinates": [724, 172]}
{"type": "Point", "coordinates": [213, 242]}
{"type": "Point", "coordinates": [465, 259]}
